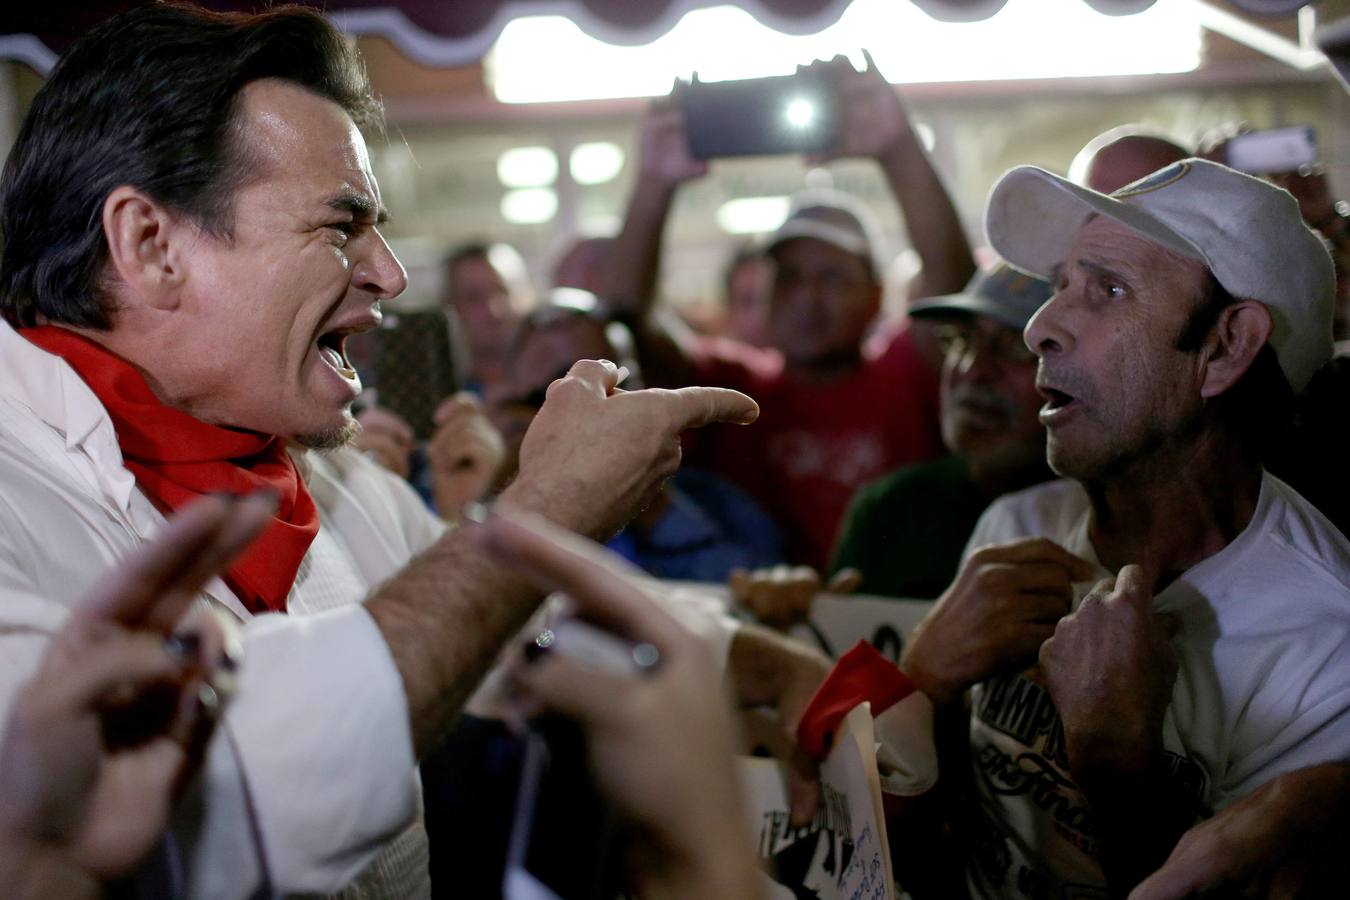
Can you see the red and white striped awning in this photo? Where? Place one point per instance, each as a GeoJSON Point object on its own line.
{"type": "Point", "coordinates": [459, 32]}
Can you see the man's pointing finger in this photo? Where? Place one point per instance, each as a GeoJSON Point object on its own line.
{"type": "Point", "coordinates": [699, 406]}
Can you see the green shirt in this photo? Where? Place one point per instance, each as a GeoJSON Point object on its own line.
{"type": "Point", "coordinates": [907, 530]}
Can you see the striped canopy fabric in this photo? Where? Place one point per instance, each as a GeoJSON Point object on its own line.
{"type": "Point", "coordinates": [441, 33]}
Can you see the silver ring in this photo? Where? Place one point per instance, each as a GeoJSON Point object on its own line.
{"type": "Point", "coordinates": [646, 657]}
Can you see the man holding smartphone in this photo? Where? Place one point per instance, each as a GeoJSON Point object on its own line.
{"type": "Point", "coordinates": [838, 409]}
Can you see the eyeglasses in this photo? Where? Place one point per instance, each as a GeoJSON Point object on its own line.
{"type": "Point", "coordinates": [996, 342]}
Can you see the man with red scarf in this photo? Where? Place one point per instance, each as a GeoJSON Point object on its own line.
{"type": "Point", "coordinates": [191, 232]}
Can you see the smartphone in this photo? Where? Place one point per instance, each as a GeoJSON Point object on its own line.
{"type": "Point", "coordinates": [415, 366]}
{"type": "Point", "coordinates": [761, 116]}
{"type": "Point", "coordinates": [1273, 150]}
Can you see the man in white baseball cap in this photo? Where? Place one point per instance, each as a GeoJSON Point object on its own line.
{"type": "Point", "coordinates": [1249, 235]}
{"type": "Point", "coordinates": [1209, 656]}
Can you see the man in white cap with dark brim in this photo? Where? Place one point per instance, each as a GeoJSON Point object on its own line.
{"type": "Point", "coordinates": [1209, 656]}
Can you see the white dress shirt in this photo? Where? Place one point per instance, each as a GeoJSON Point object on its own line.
{"type": "Point", "coordinates": [313, 772]}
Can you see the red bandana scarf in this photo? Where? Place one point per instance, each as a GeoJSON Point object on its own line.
{"type": "Point", "coordinates": [177, 458]}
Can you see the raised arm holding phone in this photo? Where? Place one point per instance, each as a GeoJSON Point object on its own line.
{"type": "Point", "coordinates": [872, 122]}
{"type": "Point", "coordinates": [820, 437]}
{"type": "Point", "coordinates": [660, 740]}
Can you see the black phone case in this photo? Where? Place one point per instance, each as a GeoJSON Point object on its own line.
{"type": "Point", "coordinates": [749, 117]}
{"type": "Point", "coordinates": [414, 360]}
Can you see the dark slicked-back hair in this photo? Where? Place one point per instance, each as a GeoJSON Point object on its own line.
{"type": "Point", "coordinates": [149, 99]}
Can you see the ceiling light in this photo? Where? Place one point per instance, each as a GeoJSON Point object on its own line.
{"type": "Point", "coordinates": [529, 206]}
{"type": "Point", "coordinates": [595, 162]}
{"type": "Point", "coordinates": [526, 167]}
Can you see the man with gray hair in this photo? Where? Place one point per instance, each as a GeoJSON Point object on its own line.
{"type": "Point", "coordinates": [1208, 657]}
{"type": "Point", "coordinates": [905, 532]}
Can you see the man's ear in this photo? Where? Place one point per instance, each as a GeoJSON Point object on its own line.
{"type": "Point", "coordinates": [144, 243]}
{"type": "Point", "coordinates": [1242, 330]}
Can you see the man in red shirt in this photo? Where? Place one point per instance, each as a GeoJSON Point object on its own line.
{"type": "Point", "coordinates": [840, 405]}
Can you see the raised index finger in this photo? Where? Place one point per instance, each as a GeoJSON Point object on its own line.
{"type": "Point", "coordinates": [695, 407]}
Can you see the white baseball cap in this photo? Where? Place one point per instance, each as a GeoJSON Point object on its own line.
{"type": "Point", "coordinates": [833, 217]}
{"type": "Point", "coordinates": [1249, 233]}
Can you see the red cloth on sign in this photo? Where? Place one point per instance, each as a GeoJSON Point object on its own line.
{"type": "Point", "coordinates": [177, 458]}
{"type": "Point", "coordinates": [861, 675]}
{"type": "Point", "coordinates": [815, 444]}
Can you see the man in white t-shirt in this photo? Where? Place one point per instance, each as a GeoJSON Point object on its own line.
{"type": "Point", "coordinates": [1209, 656]}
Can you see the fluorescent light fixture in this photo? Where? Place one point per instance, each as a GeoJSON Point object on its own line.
{"type": "Point", "coordinates": [535, 59]}
{"type": "Point", "coordinates": [529, 206]}
{"type": "Point", "coordinates": [527, 167]}
{"type": "Point", "coordinates": [596, 162]}
{"type": "Point", "coordinates": [599, 224]}
{"type": "Point", "coordinates": [753, 215]}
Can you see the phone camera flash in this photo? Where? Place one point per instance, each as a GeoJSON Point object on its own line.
{"type": "Point", "coordinates": [800, 112]}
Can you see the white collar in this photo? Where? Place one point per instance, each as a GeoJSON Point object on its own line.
{"type": "Point", "coordinates": [50, 387]}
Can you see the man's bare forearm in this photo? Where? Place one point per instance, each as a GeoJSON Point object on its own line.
{"type": "Point", "coordinates": [931, 220]}
{"type": "Point", "coordinates": [1284, 838]}
{"type": "Point", "coordinates": [630, 282]}
{"type": "Point", "coordinates": [445, 617]}
{"type": "Point", "coordinates": [447, 614]}
{"type": "Point", "coordinates": [590, 459]}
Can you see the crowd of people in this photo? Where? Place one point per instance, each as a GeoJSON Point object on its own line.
{"type": "Point", "coordinates": [242, 656]}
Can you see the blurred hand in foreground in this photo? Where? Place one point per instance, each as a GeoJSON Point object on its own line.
{"type": "Point", "coordinates": [661, 742]}
{"type": "Point", "coordinates": [464, 454]}
{"type": "Point", "coordinates": [386, 439]}
{"type": "Point", "coordinates": [117, 717]}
